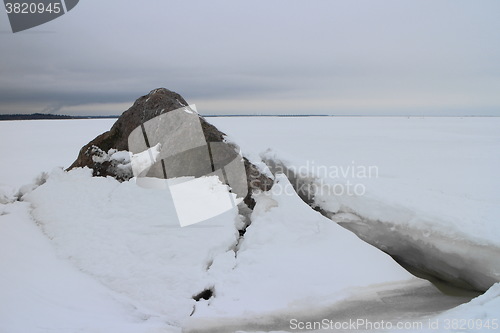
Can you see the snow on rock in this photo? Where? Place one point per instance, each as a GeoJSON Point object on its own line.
{"type": "Point", "coordinates": [142, 162]}
{"type": "Point", "coordinates": [40, 292]}
{"type": "Point", "coordinates": [115, 161]}
{"type": "Point", "coordinates": [129, 238]}
{"type": "Point", "coordinates": [291, 259]}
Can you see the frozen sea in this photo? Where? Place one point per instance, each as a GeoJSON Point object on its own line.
{"type": "Point", "coordinates": [83, 254]}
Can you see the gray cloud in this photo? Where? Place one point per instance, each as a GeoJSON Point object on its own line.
{"type": "Point", "coordinates": [416, 56]}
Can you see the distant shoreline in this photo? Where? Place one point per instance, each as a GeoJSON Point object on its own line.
{"type": "Point", "coordinates": [347, 116]}
{"type": "Point", "coordinates": [42, 116]}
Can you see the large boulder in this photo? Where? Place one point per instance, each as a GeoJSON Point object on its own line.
{"type": "Point", "coordinates": [158, 102]}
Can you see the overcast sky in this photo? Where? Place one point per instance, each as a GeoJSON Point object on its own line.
{"type": "Point", "coordinates": [262, 57]}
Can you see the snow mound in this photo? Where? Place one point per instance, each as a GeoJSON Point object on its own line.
{"type": "Point", "coordinates": [484, 306]}
{"type": "Point", "coordinates": [6, 194]}
{"type": "Point", "coordinates": [432, 176]}
{"type": "Point", "coordinates": [292, 259]}
{"type": "Point", "coordinates": [430, 244]}
{"type": "Point", "coordinates": [41, 293]}
{"type": "Point", "coordinates": [128, 237]}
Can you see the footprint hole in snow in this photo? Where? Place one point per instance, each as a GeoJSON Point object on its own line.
{"type": "Point", "coordinates": [205, 294]}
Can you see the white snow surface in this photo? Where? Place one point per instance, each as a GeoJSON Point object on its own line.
{"type": "Point", "coordinates": [7, 194]}
{"type": "Point", "coordinates": [29, 147]}
{"type": "Point", "coordinates": [95, 255]}
{"type": "Point", "coordinates": [40, 292]}
{"type": "Point", "coordinates": [301, 260]}
{"type": "Point", "coordinates": [435, 173]}
{"type": "Point", "coordinates": [129, 238]}
{"type": "Point", "coordinates": [431, 183]}
{"type": "Point", "coordinates": [482, 314]}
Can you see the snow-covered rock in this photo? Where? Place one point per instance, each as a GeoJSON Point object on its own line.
{"type": "Point", "coordinates": [163, 116]}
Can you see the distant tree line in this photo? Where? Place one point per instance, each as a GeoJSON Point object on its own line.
{"type": "Point", "coordinates": [38, 116]}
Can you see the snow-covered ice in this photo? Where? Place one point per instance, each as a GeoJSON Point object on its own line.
{"type": "Point", "coordinates": [91, 254]}
{"type": "Point", "coordinates": [33, 146]}
{"type": "Point", "coordinates": [433, 182]}
{"type": "Point", "coordinates": [43, 293]}
{"type": "Point", "coordinates": [479, 315]}
{"type": "Point", "coordinates": [129, 238]}
{"type": "Point", "coordinates": [441, 167]}
{"type": "Point", "coordinates": [287, 240]}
